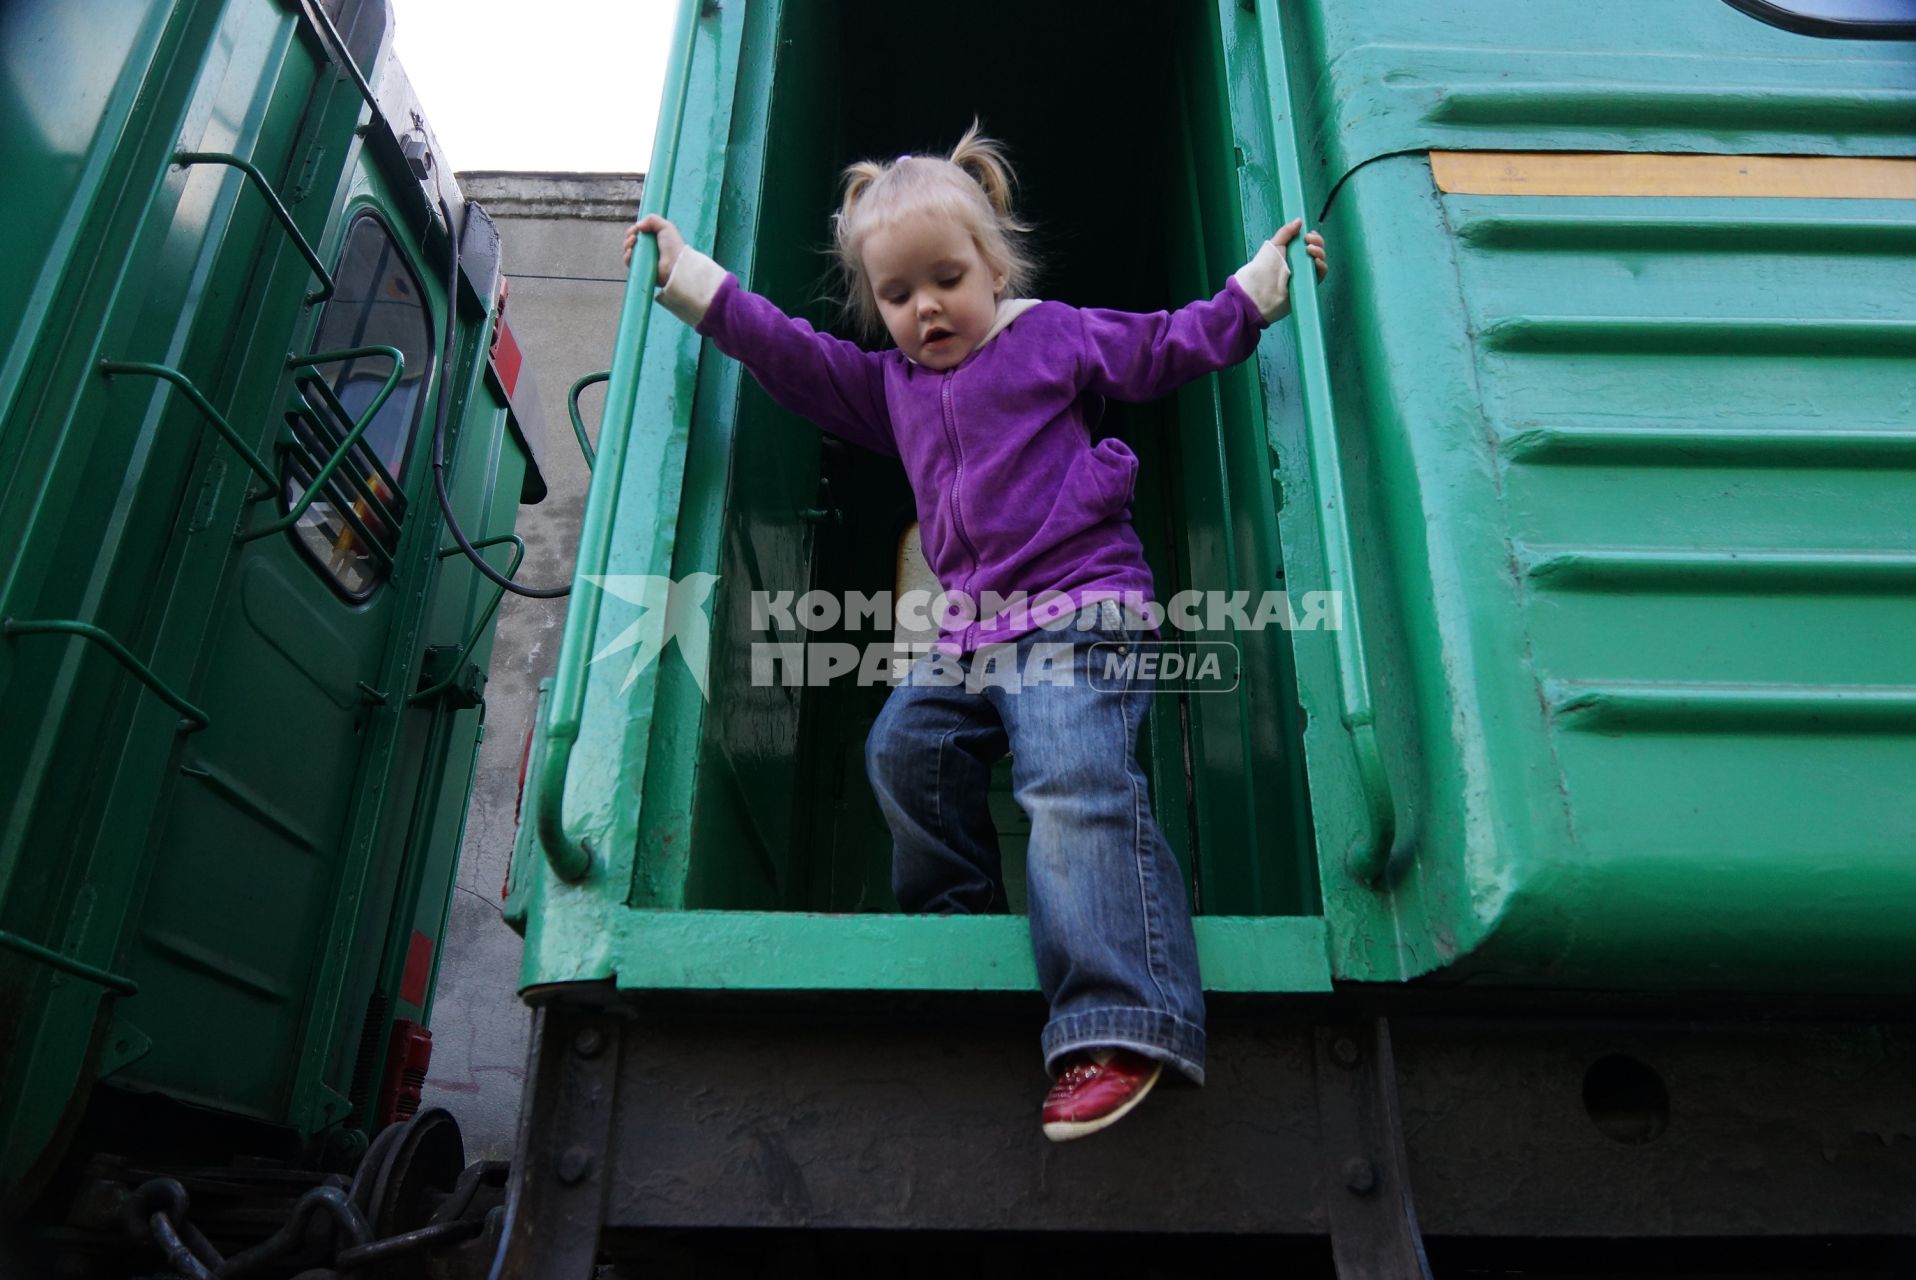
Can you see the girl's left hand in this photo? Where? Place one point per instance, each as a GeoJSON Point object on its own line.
{"type": "Point", "coordinates": [1313, 244]}
{"type": "Point", "coordinates": [1279, 283]}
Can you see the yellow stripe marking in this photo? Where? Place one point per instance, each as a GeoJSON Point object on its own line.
{"type": "Point", "coordinates": [1558, 173]}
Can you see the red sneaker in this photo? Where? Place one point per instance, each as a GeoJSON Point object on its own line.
{"type": "Point", "coordinates": [1097, 1090]}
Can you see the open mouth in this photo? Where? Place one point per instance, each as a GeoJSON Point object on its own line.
{"type": "Point", "coordinates": [936, 335]}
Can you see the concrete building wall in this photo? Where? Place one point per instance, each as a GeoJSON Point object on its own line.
{"type": "Point", "coordinates": [560, 235]}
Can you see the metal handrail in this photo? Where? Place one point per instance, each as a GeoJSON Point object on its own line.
{"type": "Point", "coordinates": [570, 857]}
{"type": "Point", "coordinates": [499, 593]}
{"type": "Point", "coordinates": [1371, 856]}
{"type": "Point", "coordinates": [110, 367]}
{"type": "Point", "coordinates": [578, 423]}
{"type": "Point", "coordinates": [187, 159]}
{"type": "Point", "coordinates": [67, 964]}
{"type": "Point", "coordinates": [364, 421]}
{"type": "Point", "coordinates": [121, 654]}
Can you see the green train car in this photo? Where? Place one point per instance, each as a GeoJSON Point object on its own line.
{"type": "Point", "coordinates": [252, 351]}
{"type": "Point", "coordinates": [1561, 896]}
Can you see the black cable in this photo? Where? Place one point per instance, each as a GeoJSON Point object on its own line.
{"type": "Point", "coordinates": [439, 428]}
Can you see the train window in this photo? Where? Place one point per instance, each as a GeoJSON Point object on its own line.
{"type": "Point", "coordinates": [378, 301]}
{"type": "Point", "coordinates": [1841, 19]}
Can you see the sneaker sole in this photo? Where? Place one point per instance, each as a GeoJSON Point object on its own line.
{"type": "Point", "coordinates": [1066, 1130]}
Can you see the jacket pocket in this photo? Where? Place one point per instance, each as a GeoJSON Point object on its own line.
{"type": "Point", "coordinates": [1113, 474]}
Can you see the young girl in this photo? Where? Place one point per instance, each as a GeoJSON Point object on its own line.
{"type": "Point", "coordinates": [985, 400]}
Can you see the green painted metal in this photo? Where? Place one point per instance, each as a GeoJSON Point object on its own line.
{"type": "Point", "coordinates": [1372, 852]}
{"type": "Point", "coordinates": [1377, 79]}
{"type": "Point", "coordinates": [196, 719]}
{"type": "Point", "coordinates": [1574, 463]}
{"type": "Point", "coordinates": [1632, 517]}
{"type": "Point", "coordinates": [88, 119]}
{"type": "Point", "coordinates": [578, 423]}
{"type": "Point", "coordinates": [483, 622]}
{"type": "Point", "coordinates": [384, 795]}
{"type": "Point", "coordinates": [564, 920]}
{"type": "Point", "coordinates": [186, 159]}
{"type": "Point", "coordinates": [571, 855]}
{"type": "Point", "coordinates": [801, 951]}
{"type": "Point", "coordinates": [54, 175]}
{"type": "Point", "coordinates": [246, 995]}
{"type": "Point", "coordinates": [722, 820]}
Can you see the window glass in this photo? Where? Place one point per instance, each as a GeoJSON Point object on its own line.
{"type": "Point", "coordinates": [361, 24]}
{"type": "Point", "coordinates": [1843, 19]}
{"type": "Point", "coordinates": [377, 301]}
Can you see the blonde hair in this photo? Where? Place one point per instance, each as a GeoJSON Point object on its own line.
{"type": "Point", "coordinates": [972, 186]}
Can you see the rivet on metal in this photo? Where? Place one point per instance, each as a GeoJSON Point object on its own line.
{"type": "Point", "coordinates": [1360, 1175]}
{"type": "Point", "coordinates": [574, 1164]}
{"type": "Point", "coordinates": [1344, 1049]}
{"type": "Point", "coordinates": [588, 1042]}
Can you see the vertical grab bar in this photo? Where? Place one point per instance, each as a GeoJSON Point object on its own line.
{"type": "Point", "coordinates": [1370, 857]}
{"type": "Point", "coordinates": [570, 857]}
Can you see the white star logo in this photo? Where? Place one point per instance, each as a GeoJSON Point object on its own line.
{"type": "Point", "coordinates": [668, 609]}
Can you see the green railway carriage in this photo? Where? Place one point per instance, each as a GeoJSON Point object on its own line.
{"type": "Point", "coordinates": [1568, 883]}
{"type": "Point", "coordinates": [242, 674]}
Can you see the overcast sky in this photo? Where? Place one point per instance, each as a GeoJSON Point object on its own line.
{"type": "Point", "coordinates": [538, 84]}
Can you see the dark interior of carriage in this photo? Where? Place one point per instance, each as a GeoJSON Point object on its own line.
{"type": "Point", "coordinates": [1116, 117]}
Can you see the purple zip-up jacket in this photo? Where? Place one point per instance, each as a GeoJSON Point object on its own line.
{"type": "Point", "coordinates": [1013, 497]}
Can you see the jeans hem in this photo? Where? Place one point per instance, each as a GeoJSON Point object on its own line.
{"type": "Point", "coordinates": [1161, 1036]}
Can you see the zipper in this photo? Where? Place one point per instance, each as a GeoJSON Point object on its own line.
{"type": "Point", "coordinates": [957, 478]}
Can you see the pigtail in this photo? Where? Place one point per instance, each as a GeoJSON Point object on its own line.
{"type": "Point", "coordinates": [858, 179]}
{"type": "Point", "coordinates": [983, 160]}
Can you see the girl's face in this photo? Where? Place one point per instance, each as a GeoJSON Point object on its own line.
{"type": "Point", "coordinates": [932, 286]}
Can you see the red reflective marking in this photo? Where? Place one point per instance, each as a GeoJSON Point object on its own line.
{"type": "Point", "coordinates": [507, 358]}
{"type": "Point", "coordinates": [412, 987]}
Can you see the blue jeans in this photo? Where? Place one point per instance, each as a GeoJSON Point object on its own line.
{"type": "Point", "coordinates": [1110, 923]}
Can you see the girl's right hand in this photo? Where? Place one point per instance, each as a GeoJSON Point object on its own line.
{"type": "Point", "coordinates": [670, 242]}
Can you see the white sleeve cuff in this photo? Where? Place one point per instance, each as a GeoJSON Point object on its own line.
{"type": "Point", "coordinates": [1264, 279]}
{"type": "Point", "coordinates": [694, 282]}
